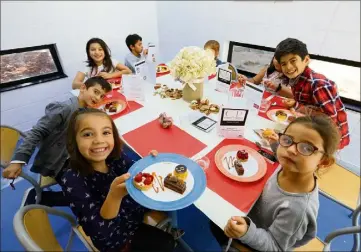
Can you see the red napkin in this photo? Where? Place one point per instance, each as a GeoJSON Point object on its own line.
{"type": "Point", "coordinates": [152, 136]}
{"type": "Point", "coordinates": [212, 76]}
{"type": "Point", "coordinates": [131, 105]}
{"type": "Point", "coordinates": [240, 194]}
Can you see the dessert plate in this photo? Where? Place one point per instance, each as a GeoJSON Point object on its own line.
{"type": "Point", "coordinates": [254, 169]}
{"type": "Point", "coordinates": [285, 120]}
{"type": "Point", "coordinates": [121, 105]}
{"type": "Point", "coordinates": [162, 165]}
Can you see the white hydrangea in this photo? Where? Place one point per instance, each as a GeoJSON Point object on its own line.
{"type": "Point", "coordinates": [192, 63]}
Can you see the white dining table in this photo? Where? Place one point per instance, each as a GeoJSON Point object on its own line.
{"type": "Point", "coordinates": [210, 203]}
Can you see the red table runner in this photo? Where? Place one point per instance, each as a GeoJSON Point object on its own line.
{"type": "Point", "coordinates": [152, 136]}
{"type": "Point", "coordinates": [240, 194]}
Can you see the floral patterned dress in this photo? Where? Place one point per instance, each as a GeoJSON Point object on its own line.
{"type": "Point", "coordinates": [87, 195]}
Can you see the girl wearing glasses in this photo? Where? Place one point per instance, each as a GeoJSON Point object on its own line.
{"type": "Point", "coordinates": [284, 217]}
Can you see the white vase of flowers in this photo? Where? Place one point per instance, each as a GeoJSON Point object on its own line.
{"type": "Point", "coordinates": [190, 66]}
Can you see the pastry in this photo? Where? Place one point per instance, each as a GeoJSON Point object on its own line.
{"type": "Point", "coordinates": [267, 133]}
{"type": "Point", "coordinates": [214, 108]}
{"type": "Point", "coordinates": [203, 108]}
{"type": "Point", "coordinates": [162, 69]}
{"type": "Point", "coordinates": [175, 184]}
{"type": "Point", "coordinates": [239, 167]}
{"type": "Point", "coordinates": [113, 107]}
{"type": "Point", "coordinates": [242, 155]}
{"type": "Point", "coordinates": [281, 116]}
{"type": "Point", "coordinates": [157, 86]}
{"type": "Point", "coordinates": [194, 104]}
{"type": "Point", "coordinates": [143, 181]}
{"type": "Point", "coordinates": [165, 121]}
{"type": "Point", "coordinates": [181, 172]}
{"type": "Point", "coordinates": [108, 105]}
{"type": "Point", "coordinates": [204, 102]}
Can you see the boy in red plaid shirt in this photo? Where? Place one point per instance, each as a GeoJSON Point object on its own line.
{"type": "Point", "coordinates": [310, 90]}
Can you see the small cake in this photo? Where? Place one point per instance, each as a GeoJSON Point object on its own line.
{"type": "Point", "coordinates": [165, 121]}
{"type": "Point", "coordinates": [194, 104]}
{"type": "Point", "coordinates": [175, 184]}
{"type": "Point", "coordinates": [181, 172]}
{"type": "Point", "coordinates": [281, 116]}
{"type": "Point", "coordinates": [267, 133]}
{"type": "Point", "coordinates": [204, 102]}
{"type": "Point", "coordinates": [242, 155]}
{"type": "Point", "coordinates": [108, 105]}
{"type": "Point", "coordinates": [214, 108]}
{"type": "Point", "coordinates": [203, 108]}
{"type": "Point", "coordinates": [113, 107]}
{"type": "Point", "coordinates": [143, 181]}
{"type": "Point", "coordinates": [239, 167]}
{"type": "Point", "coordinates": [157, 86]}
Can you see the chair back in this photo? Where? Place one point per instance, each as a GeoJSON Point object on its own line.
{"type": "Point", "coordinates": [9, 139]}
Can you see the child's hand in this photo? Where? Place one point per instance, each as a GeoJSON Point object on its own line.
{"type": "Point", "coordinates": [236, 227]}
{"type": "Point", "coordinates": [289, 103]}
{"type": "Point", "coordinates": [104, 75]}
{"type": "Point", "coordinates": [12, 171]}
{"type": "Point", "coordinates": [269, 85]}
{"type": "Point", "coordinates": [153, 153]}
{"type": "Point", "coordinates": [117, 188]}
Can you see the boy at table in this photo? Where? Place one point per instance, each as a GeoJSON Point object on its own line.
{"type": "Point", "coordinates": [137, 53]}
{"type": "Point", "coordinates": [50, 135]}
{"type": "Point", "coordinates": [311, 91]}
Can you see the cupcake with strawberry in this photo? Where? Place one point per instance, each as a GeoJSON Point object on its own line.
{"type": "Point", "coordinates": [143, 181]}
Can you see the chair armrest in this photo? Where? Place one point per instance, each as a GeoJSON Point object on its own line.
{"type": "Point", "coordinates": [339, 232]}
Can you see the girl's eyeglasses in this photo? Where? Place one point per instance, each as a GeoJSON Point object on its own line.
{"type": "Point", "coordinates": [304, 148]}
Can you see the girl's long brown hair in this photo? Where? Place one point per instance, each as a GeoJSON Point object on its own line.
{"type": "Point", "coordinates": [77, 162]}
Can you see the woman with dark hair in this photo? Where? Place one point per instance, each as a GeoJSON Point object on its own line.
{"type": "Point", "coordinates": [100, 63]}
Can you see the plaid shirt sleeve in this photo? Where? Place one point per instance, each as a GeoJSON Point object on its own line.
{"type": "Point", "coordinates": [326, 97]}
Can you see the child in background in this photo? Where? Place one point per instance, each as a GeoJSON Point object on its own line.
{"type": "Point", "coordinates": [50, 135]}
{"type": "Point", "coordinates": [215, 47]}
{"type": "Point", "coordinates": [100, 63]}
{"type": "Point", "coordinates": [311, 90]}
{"type": "Point", "coordinates": [269, 76]}
{"type": "Point", "coordinates": [285, 215]}
{"type": "Point", "coordinates": [135, 46]}
{"type": "Point", "coordinates": [95, 186]}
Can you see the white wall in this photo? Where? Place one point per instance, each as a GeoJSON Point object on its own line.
{"type": "Point", "coordinates": [70, 25]}
{"type": "Point", "coordinates": [328, 28]}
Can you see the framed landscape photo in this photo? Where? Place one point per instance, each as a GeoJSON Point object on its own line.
{"type": "Point", "coordinates": [27, 66]}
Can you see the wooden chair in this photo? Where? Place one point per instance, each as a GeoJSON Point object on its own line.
{"type": "Point", "coordinates": [9, 139]}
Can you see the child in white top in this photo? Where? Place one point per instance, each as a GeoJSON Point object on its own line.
{"type": "Point", "coordinates": [99, 63]}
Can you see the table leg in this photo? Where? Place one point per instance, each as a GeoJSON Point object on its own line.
{"type": "Point", "coordinates": [180, 240]}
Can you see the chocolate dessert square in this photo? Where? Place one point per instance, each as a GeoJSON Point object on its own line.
{"type": "Point", "coordinates": [173, 183]}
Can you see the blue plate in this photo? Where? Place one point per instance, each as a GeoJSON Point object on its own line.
{"type": "Point", "coordinates": [198, 188]}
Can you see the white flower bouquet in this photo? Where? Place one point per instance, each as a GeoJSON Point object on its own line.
{"type": "Point", "coordinates": [192, 63]}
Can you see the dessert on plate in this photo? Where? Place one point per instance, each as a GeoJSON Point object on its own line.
{"type": "Point", "coordinates": [143, 181]}
{"type": "Point", "coordinates": [281, 116]}
{"type": "Point", "coordinates": [181, 172]}
{"type": "Point", "coordinates": [267, 133]}
{"type": "Point", "coordinates": [242, 155]}
{"type": "Point", "coordinates": [239, 167]}
{"type": "Point", "coordinates": [165, 121]}
{"type": "Point", "coordinates": [175, 184]}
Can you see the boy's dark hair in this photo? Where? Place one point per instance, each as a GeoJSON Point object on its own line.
{"type": "Point", "coordinates": [98, 80]}
{"type": "Point", "coordinates": [76, 161]}
{"type": "Point", "coordinates": [107, 62]}
{"type": "Point", "coordinates": [291, 46]}
{"type": "Point", "coordinates": [325, 127]}
{"type": "Point", "coordinates": [132, 39]}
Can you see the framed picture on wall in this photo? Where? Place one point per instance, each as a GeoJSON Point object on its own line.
{"type": "Point", "coordinates": [22, 67]}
